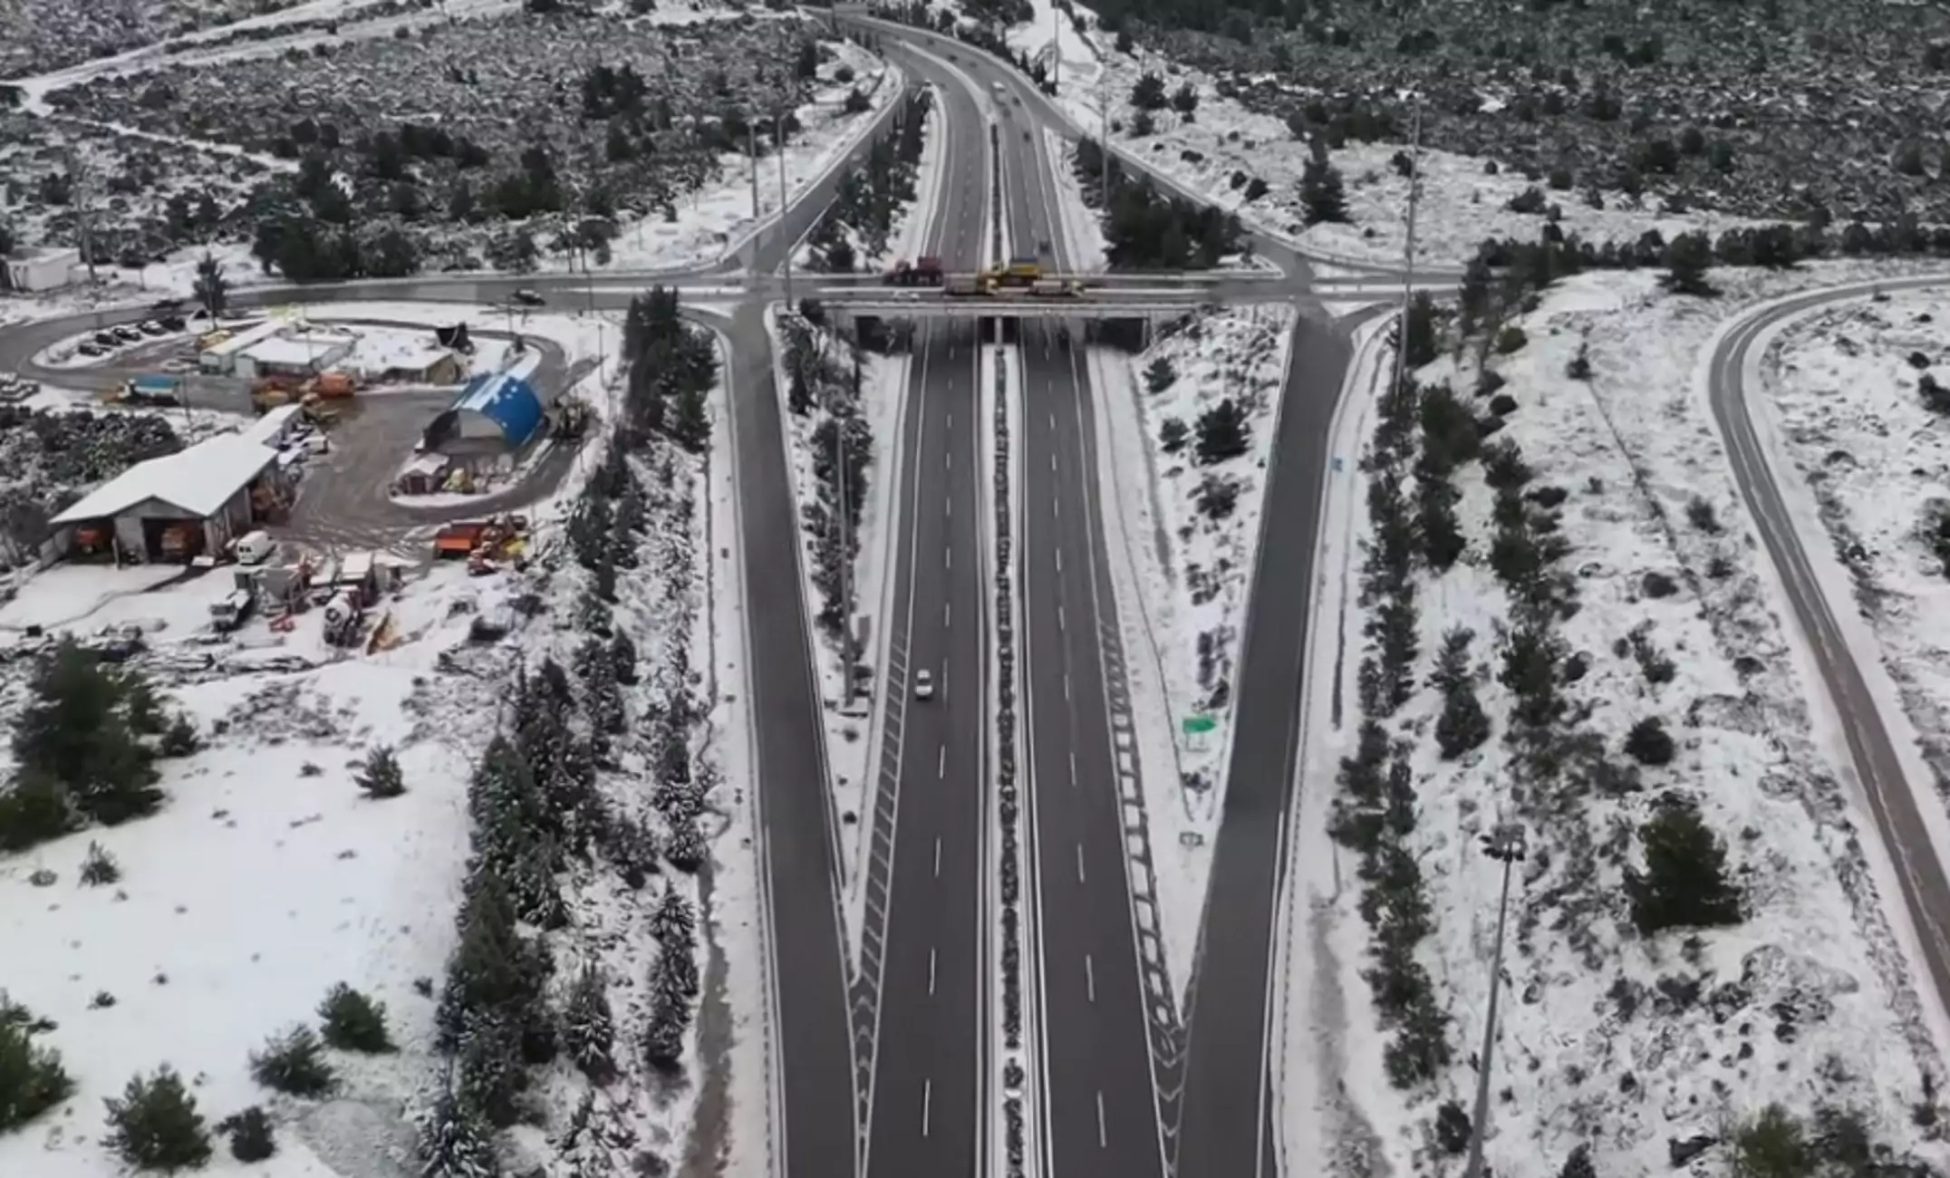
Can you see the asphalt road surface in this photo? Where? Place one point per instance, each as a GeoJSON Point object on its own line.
{"type": "Point", "coordinates": [1100, 1095]}
{"type": "Point", "coordinates": [1892, 800]}
{"type": "Point", "coordinates": [923, 963]}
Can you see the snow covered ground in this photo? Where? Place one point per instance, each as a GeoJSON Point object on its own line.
{"type": "Point", "coordinates": [1844, 385]}
{"type": "Point", "coordinates": [1182, 574]}
{"type": "Point", "coordinates": [1609, 1039]}
{"type": "Point", "coordinates": [1460, 203]}
{"type": "Point", "coordinates": [267, 876]}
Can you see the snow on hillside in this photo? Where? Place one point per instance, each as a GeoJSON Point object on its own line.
{"type": "Point", "coordinates": [1461, 201]}
{"type": "Point", "coordinates": [1848, 386]}
{"type": "Point", "coordinates": [1609, 1039]}
{"type": "Point", "coordinates": [1185, 528]}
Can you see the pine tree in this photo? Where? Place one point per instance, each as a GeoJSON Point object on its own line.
{"type": "Point", "coordinates": [622, 654]}
{"type": "Point", "coordinates": [1578, 1164]}
{"type": "Point", "coordinates": [1222, 432]}
{"type": "Point", "coordinates": [1649, 743]}
{"type": "Point", "coordinates": [155, 1126]}
{"type": "Point", "coordinates": [686, 850]}
{"type": "Point", "coordinates": [454, 1142]}
{"type": "Point", "coordinates": [691, 428]}
{"type": "Point", "coordinates": [1442, 537]}
{"type": "Point", "coordinates": [211, 288]}
{"type": "Point", "coordinates": [353, 1022]}
{"type": "Point", "coordinates": [588, 1029]}
{"type": "Point", "coordinates": [98, 867]}
{"type": "Point", "coordinates": [1321, 195]}
{"type": "Point", "coordinates": [379, 776]}
{"type": "Point", "coordinates": [1686, 261]}
{"type": "Point", "coordinates": [1160, 375]}
{"type": "Point", "coordinates": [73, 731]}
{"type": "Point", "coordinates": [1421, 330]}
{"type": "Point", "coordinates": [1684, 883]}
{"type": "Point", "coordinates": [1148, 94]}
{"type": "Point", "coordinates": [32, 1079]}
{"type": "Point", "coordinates": [488, 1067]}
{"type": "Point", "coordinates": [294, 1063]}
{"type": "Point", "coordinates": [674, 923]}
{"type": "Point", "coordinates": [663, 1038]}
{"type": "Point", "coordinates": [180, 738]}
{"type": "Point", "coordinates": [249, 1130]}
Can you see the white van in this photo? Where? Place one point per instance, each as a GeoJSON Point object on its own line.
{"type": "Point", "coordinates": [256, 548]}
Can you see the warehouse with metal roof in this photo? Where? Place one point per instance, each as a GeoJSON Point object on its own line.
{"type": "Point", "coordinates": [496, 414]}
{"type": "Point", "coordinates": [178, 506]}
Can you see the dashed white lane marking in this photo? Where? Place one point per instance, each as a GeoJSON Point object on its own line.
{"type": "Point", "coordinates": [1103, 1138]}
{"type": "Point", "coordinates": [941, 763]}
{"type": "Point", "coordinates": [1066, 686]}
{"type": "Point", "coordinates": [947, 558]}
{"type": "Point", "coordinates": [927, 1106]}
{"type": "Point", "coordinates": [946, 611]}
{"type": "Point", "coordinates": [1059, 618]}
{"type": "Point", "coordinates": [930, 971]}
{"type": "Point", "coordinates": [1089, 977]}
{"type": "Point", "coordinates": [1079, 862]}
{"type": "Point", "coordinates": [937, 858]}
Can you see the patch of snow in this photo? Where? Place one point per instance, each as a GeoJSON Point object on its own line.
{"type": "Point", "coordinates": [1183, 579]}
{"type": "Point", "coordinates": [1810, 1000]}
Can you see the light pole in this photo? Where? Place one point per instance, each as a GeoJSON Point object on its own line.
{"type": "Point", "coordinates": [1408, 250]}
{"type": "Point", "coordinates": [1505, 842]}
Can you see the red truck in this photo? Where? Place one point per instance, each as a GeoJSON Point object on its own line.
{"type": "Point", "coordinates": [921, 272]}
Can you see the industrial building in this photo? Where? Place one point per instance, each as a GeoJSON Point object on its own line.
{"type": "Point", "coordinates": [274, 348]}
{"type": "Point", "coordinates": [29, 269]}
{"type": "Point", "coordinates": [179, 506]}
{"type": "Point", "coordinates": [495, 415]}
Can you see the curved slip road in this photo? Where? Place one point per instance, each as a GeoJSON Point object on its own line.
{"type": "Point", "coordinates": [1878, 766]}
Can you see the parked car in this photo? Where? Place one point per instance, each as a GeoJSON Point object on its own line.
{"type": "Point", "coordinates": [104, 340]}
{"type": "Point", "coordinates": [127, 334]}
{"type": "Point", "coordinates": [151, 327]}
{"type": "Point", "coordinates": [528, 298]}
{"type": "Point", "coordinates": [91, 349]}
{"type": "Point", "coordinates": [172, 322]}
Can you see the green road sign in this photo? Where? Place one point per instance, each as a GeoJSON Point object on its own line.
{"type": "Point", "coordinates": [1198, 725]}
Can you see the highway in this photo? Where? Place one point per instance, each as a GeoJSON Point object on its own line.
{"type": "Point", "coordinates": [1099, 1094]}
{"type": "Point", "coordinates": [909, 1022]}
{"type": "Point", "coordinates": [923, 993]}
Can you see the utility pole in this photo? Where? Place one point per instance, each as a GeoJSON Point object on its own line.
{"type": "Point", "coordinates": [1505, 842]}
{"type": "Point", "coordinates": [778, 123]}
{"type": "Point", "coordinates": [751, 134]}
{"type": "Point", "coordinates": [1103, 111]}
{"type": "Point", "coordinates": [1408, 250]}
{"type": "Point", "coordinates": [1055, 50]}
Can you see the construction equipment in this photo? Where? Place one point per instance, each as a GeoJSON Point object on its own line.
{"type": "Point", "coordinates": [331, 386]}
{"type": "Point", "coordinates": [181, 541]}
{"type": "Point", "coordinates": [229, 612]}
{"type": "Point", "coordinates": [342, 614]}
{"type": "Point", "coordinates": [1022, 270]}
{"type": "Point", "coordinates": [969, 286]}
{"type": "Point", "coordinates": [924, 271]}
{"type": "Point", "coordinates": [499, 537]}
{"type": "Point", "coordinates": [1056, 288]}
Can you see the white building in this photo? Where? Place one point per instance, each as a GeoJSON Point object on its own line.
{"type": "Point", "coordinates": [274, 348]}
{"type": "Point", "coordinates": [32, 269]}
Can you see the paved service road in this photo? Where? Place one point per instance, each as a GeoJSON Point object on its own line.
{"type": "Point", "coordinates": [1892, 801]}
{"type": "Point", "coordinates": [924, 933]}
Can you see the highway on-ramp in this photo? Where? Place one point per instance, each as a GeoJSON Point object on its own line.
{"type": "Point", "coordinates": [1892, 801]}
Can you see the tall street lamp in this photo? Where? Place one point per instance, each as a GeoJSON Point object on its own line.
{"type": "Point", "coordinates": [1505, 842]}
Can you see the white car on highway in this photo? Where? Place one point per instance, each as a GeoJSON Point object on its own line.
{"type": "Point", "coordinates": [924, 684]}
